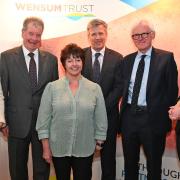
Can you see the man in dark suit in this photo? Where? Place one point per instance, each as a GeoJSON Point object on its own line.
{"type": "Point", "coordinates": [103, 66]}
{"type": "Point", "coordinates": [150, 87]}
{"type": "Point", "coordinates": [24, 77]}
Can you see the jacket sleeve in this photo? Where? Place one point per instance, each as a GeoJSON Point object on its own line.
{"type": "Point", "coordinates": [116, 93]}
{"type": "Point", "coordinates": [172, 81]}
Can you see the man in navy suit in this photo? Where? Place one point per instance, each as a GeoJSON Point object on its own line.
{"type": "Point", "coordinates": [107, 75]}
{"type": "Point", "coordinates": [25, 71]}
{"type": "Point", "coordinates": [144, 115]}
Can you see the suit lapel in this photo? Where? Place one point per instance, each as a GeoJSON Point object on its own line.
{"type": "Point", "coordinates": [151, 69]}
{"type": "Point", "coordinates": [20, 61]}
{"type": "Point", "coordinates": [130, 66]}
{"type": "Point", "coordinates": [105, 64]}
{"type": "Point", "coordinates": [42, 69]}
{"type": "Point", "coordinates": [88, 64]}
{"type": "Point", "coordinates": [128, 72]}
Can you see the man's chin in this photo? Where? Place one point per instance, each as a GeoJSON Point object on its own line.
{"type": "Point", "coordinates": [34, 47]}
{"type": "Point", "coordinates": [98, 48]}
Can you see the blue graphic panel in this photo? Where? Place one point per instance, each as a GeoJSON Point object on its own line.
{"type": "Point", "coordinates": [138, 3]}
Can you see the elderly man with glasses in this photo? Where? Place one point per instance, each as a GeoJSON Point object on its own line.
{"type": "Point", "coordinates": [150, 88]}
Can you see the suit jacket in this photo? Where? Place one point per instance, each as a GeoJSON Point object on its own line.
{"type": "Point", "coordinates": [110, 81]}
{"type": "Point", "coordinates": [2, 119]}
{"type": "Point", "coordinates": [162, 87]}
{"type": "Point", "coordinates": [21, 103]}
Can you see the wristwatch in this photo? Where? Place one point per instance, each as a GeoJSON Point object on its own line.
{"type": "Point", "coordinates": [100, 144]}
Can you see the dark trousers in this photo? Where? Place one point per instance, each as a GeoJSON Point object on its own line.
{"type": "Point", "coordinates": [108, 155]}
{"type": "Point", "coordinates": [18, 158]}
{"type": "Point", "coordinates": [178, 144]}
{"type": "Point", "coordinates": [81, 167]}
{"type": "Point", "coordinates": [137, 132]}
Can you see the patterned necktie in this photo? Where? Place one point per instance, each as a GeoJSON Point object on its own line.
{"type": "Point", "coordinates": [96, 69]}
{"type": "Point", "coordinates": [138, 81]}
{"type": "Point", "coordinates": [32, 71]}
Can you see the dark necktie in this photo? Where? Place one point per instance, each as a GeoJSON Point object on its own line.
{"type": "Point", "coordinates": [138, 81]}
{"type": "Point", "coordinates": [96, 69]}
{"type": "Point", "coordinates": [32, 71]}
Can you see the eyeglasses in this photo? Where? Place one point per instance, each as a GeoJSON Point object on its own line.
{"type": "Point", "coordinates": [140, 36]}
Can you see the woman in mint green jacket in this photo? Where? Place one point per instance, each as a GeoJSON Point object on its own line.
{"type": "Point", "coordinates": [72, 121]}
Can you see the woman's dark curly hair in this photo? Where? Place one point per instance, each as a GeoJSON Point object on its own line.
{"type": "Point", "coordinates": [71, 49]}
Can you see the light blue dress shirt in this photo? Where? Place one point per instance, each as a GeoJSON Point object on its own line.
{"type": "Point", "coordinates": [142, 93]}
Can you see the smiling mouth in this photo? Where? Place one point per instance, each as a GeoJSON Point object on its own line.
{"type": "Point", "coordinates": [33, 43]}
{"type": "Point", "coordinates": [142, 42]}
{"type": "Point", "coordinates": [99, 42]}
{"type": "Point", "coordinates": [75, 69]}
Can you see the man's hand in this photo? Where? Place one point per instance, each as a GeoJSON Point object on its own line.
{"type": "Point", "coordinates": [174, 112]}
{"type": "Point", "coordinates": [5, 131]}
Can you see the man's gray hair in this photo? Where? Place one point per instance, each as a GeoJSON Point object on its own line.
{"type": "Point", "coordinates": [37, 22]}
{"type": "Point", "coordinates": [95, 23]}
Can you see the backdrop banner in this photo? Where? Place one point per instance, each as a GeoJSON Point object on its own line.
{"type": "Point", "coordinates": [66, 21]}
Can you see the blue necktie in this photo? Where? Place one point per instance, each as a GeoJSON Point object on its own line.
{"type": "Point", "coordinates": [96, 69]}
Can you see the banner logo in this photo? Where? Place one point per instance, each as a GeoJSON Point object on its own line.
{"type": "Point", "coordinates": [71, 11]}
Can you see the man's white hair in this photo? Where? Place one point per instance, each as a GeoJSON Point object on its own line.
{"type": "Point", "coordinates": [143, 23]}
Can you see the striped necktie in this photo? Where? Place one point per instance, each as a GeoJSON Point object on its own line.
{"type": "Point", "coordinates": [138, 81]}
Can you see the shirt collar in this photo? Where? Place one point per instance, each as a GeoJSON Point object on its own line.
{"type": "Point", "coordinates": [102, 51]}
{"type": "Point", "coordinates": [148, 53]}
{"type": "Point", "coordinates": [26, 52]}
